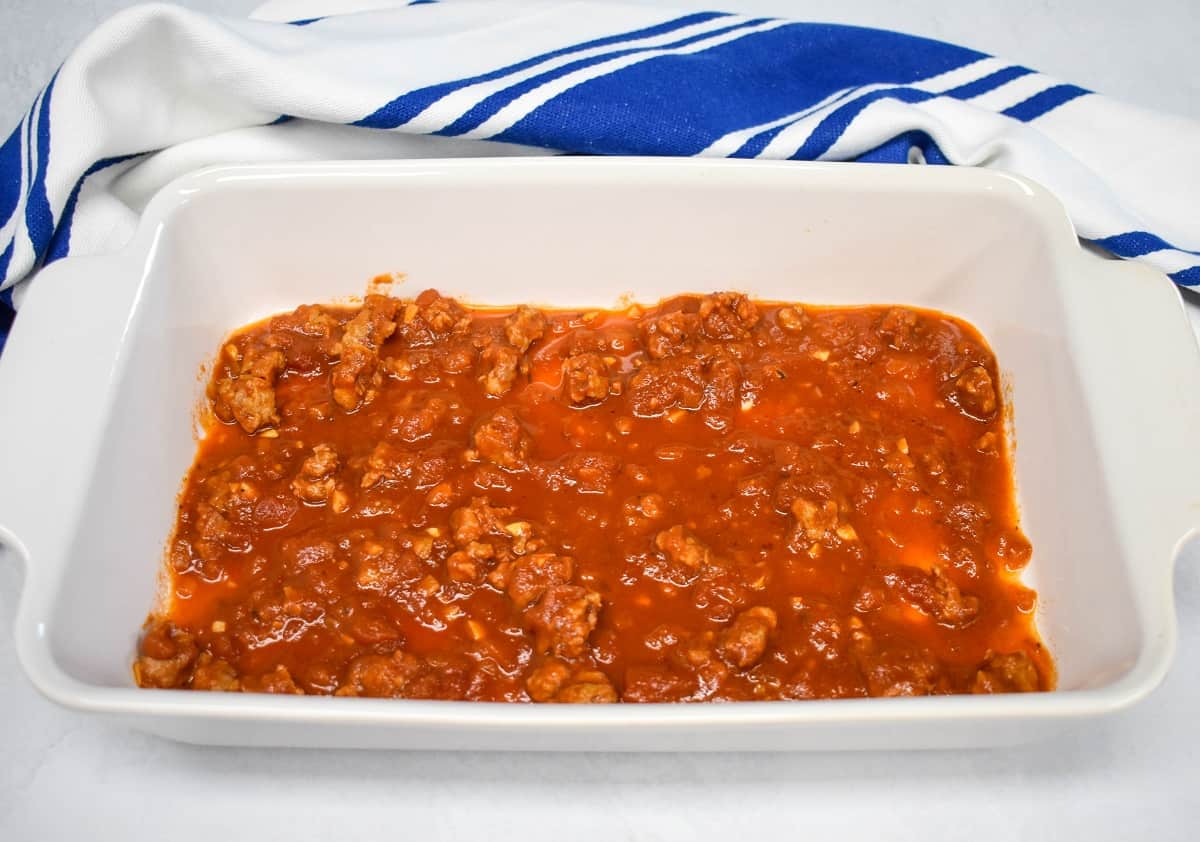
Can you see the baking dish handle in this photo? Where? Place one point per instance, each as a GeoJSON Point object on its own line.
{"type": "Point", "coordinates": [1144, 375]}
{"type": "Point", "coordinates": [54, 376]}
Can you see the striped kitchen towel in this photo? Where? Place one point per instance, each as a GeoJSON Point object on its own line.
{"type": "Point", "coordinates": [158, 90]}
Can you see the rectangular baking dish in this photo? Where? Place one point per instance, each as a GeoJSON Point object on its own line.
{"type": "Point", "coordinates": [102, 378]}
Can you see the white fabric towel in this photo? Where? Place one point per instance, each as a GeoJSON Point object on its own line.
{"type": "Point", "coordinates": [158, 90]}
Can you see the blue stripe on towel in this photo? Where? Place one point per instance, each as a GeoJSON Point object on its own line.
{"type": "Point", "coordinates": [5, 259]}
{"type": "Point", "coordinates": [7, 314]}
{"type": "Point", "coordinates": [1186, 277]}
{"type": "Point", "coordinates": [681, 104]}
{"type": "Point", "coordinates": [38, 219]}
{"type": "Point", "coordinates": [1137, 243]}
{"type": "Point", "coordinates": [830, 130]}
{"type": "Point", "coordinates": [490, 105]}
{"type": "Point", "coordinates": [754, 147]}
{"type": "Point", "coordinates": [988, 83]}
{"type": "Point", "coordinates": [407, 106]}
{"type": "Point", "coordinates": [10, 176]}
{"type": "Point", "coordinates": [60, 243]}
{"type": "Point", "coordinates": [1043, 102]}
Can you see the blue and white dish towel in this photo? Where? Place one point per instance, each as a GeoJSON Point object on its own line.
{"type": "Point", "coordinates": [158, 90]}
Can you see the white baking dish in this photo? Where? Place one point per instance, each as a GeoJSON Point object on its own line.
{"type": "Point", "coordinates": [101, 380]}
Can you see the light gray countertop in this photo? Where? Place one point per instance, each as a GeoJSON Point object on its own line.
{"type": "Point", "coordinates": [1132, 776]}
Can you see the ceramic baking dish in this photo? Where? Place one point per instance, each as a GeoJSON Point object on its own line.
{"type": "Point", "coordinates": [102, 377]}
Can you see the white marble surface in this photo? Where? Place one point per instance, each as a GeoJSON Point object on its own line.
{"type": "Point", "coordinates": [1133, 776]}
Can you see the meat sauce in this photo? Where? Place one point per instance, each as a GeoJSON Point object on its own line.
{"type": "Point", "coordinates": [710, 499]}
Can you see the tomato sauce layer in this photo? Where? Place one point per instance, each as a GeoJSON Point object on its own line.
{"type": "Point", "coordinates": [710, 499]}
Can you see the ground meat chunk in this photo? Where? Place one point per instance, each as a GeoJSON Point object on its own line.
{"type": "Point", "coordinates": [167, 656]}
{"type": "Point", "coordinates": [524, 327]}
{"type": "Point", "coordinates": [592, 473]}
{"type": "Point", "coordinates": [308, 336]}
{"type": "Point", "coordinates": [421, 413]}
{"type": "Point", "coordinates": [215, 533]}
{"type": "Point", "coordinates": [722, 384]}
{"type": "Point", "coordinates": [443, 676]}
{"type": "Point", "coordinates": [274, 512]}
{"type": "Point", "coordinates": [896, 671]}
{"type": "Point", "coordinates": [728, 315]}
{"type": "Point", "coordinates": [792, 319]}
{"type": "Point", "coordinates": [553, 681]}
{"type": "Point", "coordinates": [264, 363]}
{"type": "Point", "coordinates": [459, 355]}
{"type": "Point", "coordinates": [825, 632]}
{"type": "Point", "coordinates": [468, 564]}
{"type": "Point", "coordinates": [526, 579]}
{"type": "Point", "coordinates": [744, 642]}
{"type": "Point", "coordinates": [356, 378]}
{"type": "Point", "coordinates": [682, 558]}
{"type": "Point", "coordinates": [277, 681]}
{"type": "Point", "coordinates": [900, 674]}
{"type": "Point", "coordinates": [900, 328]}
{"type": "Point", "coordinates": [943, 465]}
{"type": "Point", "coordinates": [643, 509]}
{"type": "Point", "coordinates": [380, 676]}
{"type": "Point", "coordinates": [234, 498]}
{"type": "Point", "coordinates": [562, 620]}
{"type": "Point", "coordinates": [413, 364]}
{"type": "Point", "coordinates": [817, 519]}
{"type": "Point", "coordinates": [670, 333]}
{"type": "Point", "coordinates": [586, 379]}
{"type": "Point", "coordinates": [307, 320]}
{"type": "Point", "coordinates": [249, 396]}
{"type": "Point", "coordinates": [430, 319]}
{"type": "Point", "coordinates": [435, 313]}
{"type": "Point", "coordinates": [440, 313]}
{"type": "Point", "coordinates": [477, 519]}
{"type": "Point", "coordinates": [215, 674]}
{"type": "Point", "coordinates": [658, 387]}
{"type": "Point", "coordinates": [379, 565]}
{"type": "Point", "coordinates": [588, 687]}
{"type": "Point", "coordinates": [504, 366]}
{"type": "Point", "coordinates": [1013, 672]}
{"type": "Point", "coordinates": [698, 656]}
{"type": "Point", "coordinates": [545, 681]}
{"type": "Point", "coordinates": [932, 593]}
{"type": "Point", "coordinates": [975, 393]}
{"type": "Point", "coordinates": [501, 439]}
{"type": "Point", "coordinates": [682, 547]}
{"type": "Point", "coordinates": [315, 484]}
{"type": "Point", "coordinates": [386, 462]}
{"type": "Point", "coordinates": [420, 469]}
{"type": "Point", "coordinates": [306, 550]}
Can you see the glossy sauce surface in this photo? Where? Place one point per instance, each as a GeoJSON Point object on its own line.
{"type": "Point", "coordinates": [710, 499]}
